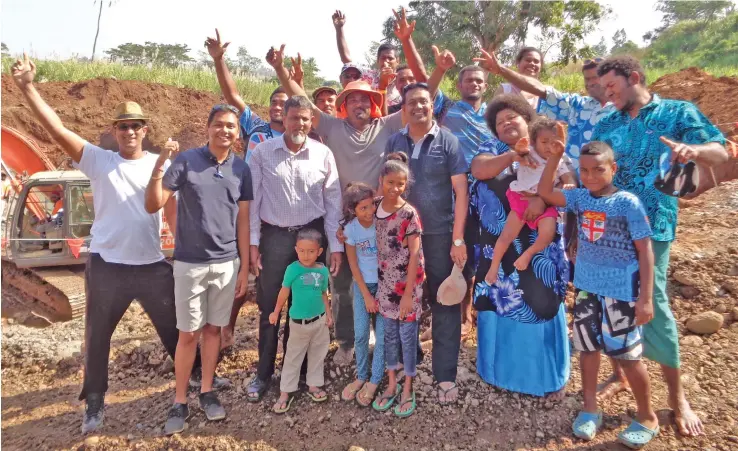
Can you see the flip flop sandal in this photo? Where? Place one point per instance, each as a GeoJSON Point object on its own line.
{"type": "Point", "coordinates": [314, 395]}
{"type": "Point", "coordinates": [359, 397]}
{"type": "Point", "coordinates": [398, 408]}
{"type": "Point", "coordinates": [286, 407]}
{"type": "Point", "coordinates": [636, 436]}
{"type": "Point", "coordinates": [352, 391]}
{"type": "Point", "coordinates": [586, 424]}
{"type": "Point", "coordinates": [443, 391]}
{"type": "Point", "coordinates": [377, 404]}
{"type": "Point", "coordinates": [676, 180]}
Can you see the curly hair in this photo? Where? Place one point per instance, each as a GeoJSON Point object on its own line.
{"type": "Point", "coordinates": [539, 124]}
{"type": "Point", "coordinates": [514, 102]}
{"type": "Point", "coordinates": [623, 66]}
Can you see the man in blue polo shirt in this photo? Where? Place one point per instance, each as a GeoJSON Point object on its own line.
{"type": "Point", "coordinates": [439, 170]}
{"type": "Point", "coordinates": [212, 231]}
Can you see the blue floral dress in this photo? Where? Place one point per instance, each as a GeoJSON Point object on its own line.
{"type": "Point", "coordinates": [523, 338]}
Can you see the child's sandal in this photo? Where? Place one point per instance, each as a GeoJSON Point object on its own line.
{"type": "Point", "coordinates": [377, 404]}
{"type": "Point", "coordinates": [398, 408]}
{"type": "Point", "coordinates": [636, 436]}
{"type": "Point", "coordinates": [287, 405]}
{"type": "Point", "coordinates": [364, 393]}
{"type": "Point", "coordinates": [586, 424]}
{"type": "Point", "coordinates": [314, 395]}
{"type": "Point", "coordinates": [349, 392]}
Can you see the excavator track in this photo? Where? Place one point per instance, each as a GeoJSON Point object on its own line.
{"type": "Point", "coordinates": [55, 293]}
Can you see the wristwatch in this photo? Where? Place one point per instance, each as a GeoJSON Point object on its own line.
{"type": "Point", "coordinates": [458, 242]}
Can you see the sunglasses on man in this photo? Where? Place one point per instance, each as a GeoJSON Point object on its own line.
{"type": "Point", "coordinates": [596, 60]}
{"type": "Point", "coordinates": [125, 127]}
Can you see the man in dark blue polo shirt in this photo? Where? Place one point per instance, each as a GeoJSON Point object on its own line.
{"type": "Point", "coordinates": [212, 231]}
{"type": "Point", "coordinates": [440, 194]}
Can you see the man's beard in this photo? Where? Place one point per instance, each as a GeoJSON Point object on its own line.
{"type": "Point", "coordinates": [298, 138]}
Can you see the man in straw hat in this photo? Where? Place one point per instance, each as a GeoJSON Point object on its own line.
{"type": "Point", "coordinates": [125, 261]}
{"type": "Point", "coordinates": [358, 143]}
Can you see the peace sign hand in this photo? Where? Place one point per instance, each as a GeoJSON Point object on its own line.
{"type": "Point", "coordinates": [489, 61]}
{"type": "Point", "coordinates": [444, 60]}
{"type": "Point", "coordinates": [24, 71]}
{"type": "Point", "coordinates": [216, 49]}
{"type": "Point", "coordinates": [403, 29]}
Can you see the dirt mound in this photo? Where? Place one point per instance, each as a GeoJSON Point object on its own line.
{"type": "Point", "coordinates": [87, 106]}
{"type": "Point", "coordinates": [716, 97]}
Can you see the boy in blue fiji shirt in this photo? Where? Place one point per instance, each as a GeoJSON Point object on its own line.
{"type": "Point", "coordinates": [613, 278]}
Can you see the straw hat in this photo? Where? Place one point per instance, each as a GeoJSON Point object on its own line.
{"type": "Point", "coordinates": [129, 111]}
{"type": "Point", "coordinates": [359, 86]}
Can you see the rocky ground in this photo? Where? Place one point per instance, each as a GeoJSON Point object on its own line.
{"type": "Point", "coordinates": [41, 378]}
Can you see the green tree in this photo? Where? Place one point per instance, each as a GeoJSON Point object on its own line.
{"type": "Point", "coordinates": [484, 24]}
{"type": "Point", "coordinates": [5, 50]}
{"type": "Point", "coordinates": [601, 48]}
{"type": "Point", "coordinates": [171, 55]}
{"type": "Point", "coordinates": [246, 62]}
{"type": "Point", "coordinates": [679, 11]}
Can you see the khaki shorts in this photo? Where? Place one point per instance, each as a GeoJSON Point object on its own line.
{"type": "Point", "coordinates": [203, 293]}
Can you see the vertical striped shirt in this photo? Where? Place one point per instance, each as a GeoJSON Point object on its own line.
{"type": "Point", "coordinates": [292, 189]}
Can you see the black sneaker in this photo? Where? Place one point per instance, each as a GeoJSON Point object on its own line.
{"type": "Point", "coordinates": [176, 419]}
{"type": "Point", "coordinates": [219, 383]}
{"type": "Point", "coordinates": [212, 407]}
{"type": "Point", "coordinates": [94, 412]}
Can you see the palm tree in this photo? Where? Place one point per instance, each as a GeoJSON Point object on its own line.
{"type": "Point", "coordinates": [99, 15]}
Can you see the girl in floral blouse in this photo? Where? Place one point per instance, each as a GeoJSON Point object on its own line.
{"type": "Point", "coordinates": [401, 275]}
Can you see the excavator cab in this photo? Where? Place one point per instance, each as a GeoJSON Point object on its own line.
{"type": "Point", "coordinates": [49, 221]}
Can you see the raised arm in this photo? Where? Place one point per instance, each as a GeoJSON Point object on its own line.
{"type": "Point", "coordinates": [275, 58]}
{"type": "Point", "coordinates": [339, 20]}
{"type": "Point", "coordinates": [445, 60]}
{"type": "Point", "coordinates": [529, 84]}
{"type": "Point", "coordinates": [216, 49]}
{"type": "Point", "coordinates": [404, 32]}
{"type": "Point", "coordinates": [546, 191]}
{"type": "Point", "coordinates": [24, 71]}
{"type": "Point", "coordinates": [156, 195]}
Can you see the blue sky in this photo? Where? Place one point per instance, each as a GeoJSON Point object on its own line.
{"type": "Point", "coordinates": [63, 28]}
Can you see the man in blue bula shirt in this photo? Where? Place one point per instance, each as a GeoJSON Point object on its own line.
{"type": "Point", "coordinates": [212, 231]}
{"type": "Point", "coordinates": [644, 128]}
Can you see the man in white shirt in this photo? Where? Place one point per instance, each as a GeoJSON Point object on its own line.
{"type": "Point", "coordinates": [125, 261]}
{"type": "Point", "coordinates": [296, 187]}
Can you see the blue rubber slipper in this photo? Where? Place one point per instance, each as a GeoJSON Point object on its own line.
{"type": "Point", "coordinates": [636, 436]}
{"type": "Point", "coordinates": [586, 424]}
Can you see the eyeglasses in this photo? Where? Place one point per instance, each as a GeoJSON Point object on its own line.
{"type": "Point", "coordinates": [596, 60]}
{"type": "Point", "coordinates": [125, 127]}
{"type": "Point", "coordinates": [412, 86]}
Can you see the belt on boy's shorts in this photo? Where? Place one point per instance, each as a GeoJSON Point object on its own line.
{"type": "Point", "coordinates": [308, 321]}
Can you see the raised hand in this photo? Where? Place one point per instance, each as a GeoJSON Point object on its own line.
{"type": "Point", "coordinates": [403, 29]}
{"type": "Point", "coordinates": [339, 20]}
{"type": "Point", "coordinates": [24, 71]}
{"type": "Point", "coordinates": [489, 62]}
{"type": "Point", "coordinates": [522, 147]}
{"type": "Point", "coordinates": [170, 150]}
{"type": "Point", "coordinates": [386, 76]}
{"type": "Point", "coordinates": [679, 151]}
{"type": "Point", "coordinates": [296, 71]}
{"type": "Point", "coordinates": [558, 146]}
{"type": "Point", "coordinates": [216, 48]}
{"type": "Point", "coordinates": [445, 59]}
{"type": "Point", "coordinates": [275, 58]}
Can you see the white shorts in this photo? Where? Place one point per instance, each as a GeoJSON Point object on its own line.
{"type": "Point", "coordinates": [204, 293]}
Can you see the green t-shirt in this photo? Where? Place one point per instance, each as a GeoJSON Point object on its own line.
{"type": "Point", "coordinates": [308, 286]}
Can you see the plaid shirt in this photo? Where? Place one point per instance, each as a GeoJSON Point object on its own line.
{"type": "Point", "coordinates": [293, 189]}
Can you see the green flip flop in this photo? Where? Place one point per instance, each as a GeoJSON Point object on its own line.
{"type": "Point", "coordinates": [377, 404]}
{"type": "Point", "coordinates": [314, 395]}
{"type": "Point", "coordinates": [398, 408]}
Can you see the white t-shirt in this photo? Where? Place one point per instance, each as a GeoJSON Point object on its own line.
{"type": "Point", "coordinates": [528, 178]}
{"type": "Point", "coordinates": [123, 232]}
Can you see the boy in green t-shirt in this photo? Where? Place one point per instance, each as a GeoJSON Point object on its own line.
{"type": "Point", "coordinates": [307, 281]}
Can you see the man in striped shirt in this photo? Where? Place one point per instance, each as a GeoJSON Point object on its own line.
{"type": "Point", "coordinates": [295, 187]}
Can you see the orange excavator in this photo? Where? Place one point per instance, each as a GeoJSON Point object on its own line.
{"type": "Point", "coordinates": [46, 236]}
